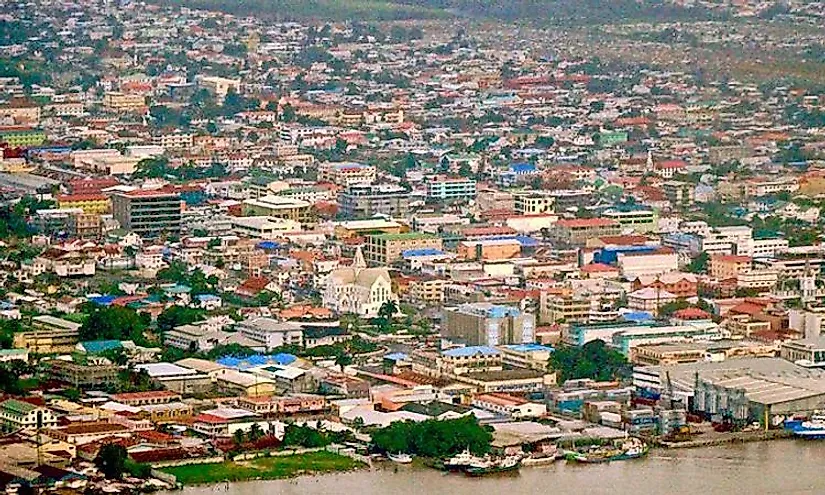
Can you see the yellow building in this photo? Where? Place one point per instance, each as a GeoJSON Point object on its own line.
{"type": "Point", "coordinates": [89, 203]}
{"type": "Point", "coordinates": [123, 101]}
{"type": "Point", "coordinates": [279, 207]}
{"type": "Point", "coordinates": [385, 248]}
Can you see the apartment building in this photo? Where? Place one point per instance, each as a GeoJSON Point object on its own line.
{"type": "Point", "coordinates": [638, 219]}
{"type": "Point", "coordinates": [450, 189]}
{"type": "Point", "coordinates": [533, 203]}
{"type": "Point", "coordinates": [728, 266]}
{"type": "Point", "coordinates": [347, 173]}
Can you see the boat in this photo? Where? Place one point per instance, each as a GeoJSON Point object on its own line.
{"type": "Point", "coordinates": [400, 458]}
{"type": "Point", "coordinates": [509, 463]}
{"type": "Point", "coordinates": [814, 429]}
{"type": "Point", "coordinates": [462, 461]}
{"type": "Point", "coordinates": [631, 449]}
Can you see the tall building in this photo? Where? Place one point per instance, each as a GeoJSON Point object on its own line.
{"type": "Point", "coordinates": [447, 188]}
{"type": "Point", "coordinates": [368, 200]}
{"type": "Point", "coordinates": [383, 249]}
{"type": "Point", "coordinates": [488, 324]}
{"type": "Point", "coordinates": [148, 213]}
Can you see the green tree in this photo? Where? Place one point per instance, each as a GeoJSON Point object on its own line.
{"type": "Point", "coordinates": [343, 360]}
{"type": "Point", "coordinates": [255, 432]}
{"type": "Point", "coordinates": [111, 460]}
{"type": "Point", "coordinates": [175, 316]}
{"type": "Point", "coordinates": [434, 438]}
{"type": "Point", "coordinates": [112, 323]}
{"type": "Point", "coordinates": [239, 437]}
{"type": "Point", "coordinates": [593, 360]}
{"type": "Point", "coordinates": [699, 264]}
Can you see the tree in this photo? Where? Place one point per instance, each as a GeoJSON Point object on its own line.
{"type": "Point", "coordinates": [343, 360]}
{"type": "Point", "coordinates": [239, 437]}
{"type": "Point", "coordinates": [434, 438]}
{"type": "Point", "coordinates": [112, 323]}
{"type": "Point", "coordinates": [699, 264]}
{"type": "Point", "coordinates": [7, 330]}
{"type": "Point", "coordinates": [255, 432]}
{"type": "Point", "coordinates": [175, 316]}
{"type": "Point", "coordinates": [593, 360]}
{"type": "Point", "coordinates": [111, 460]}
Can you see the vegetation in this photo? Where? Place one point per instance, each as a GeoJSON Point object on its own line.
{"type": "Point", "coordinates": [175, 316]}
{"type": "Point", "coordinates": [592, 360]}
{"type": "Point", "coordinates": [112, 323]}
{"type": "Point", "coordinates": [368, 10]}
{"type": "Point", "coordinates": [434, 438]}
{"type": "Point", "coordinates": [267, 468]}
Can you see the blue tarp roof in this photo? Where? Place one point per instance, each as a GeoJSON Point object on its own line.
{"type": "Point", "coordinates": [530, 347]}
{"type": "Point", "coordinates": [282, 359]}
{"type": "Point", "coordinates": [98, 346]}
{"type": "Point", "coordinates": [103, 300]}
{"type": "Point", "coordinates": [396, 356]}
{"type": "Point", "coordinates": [638, 316]}
{"type": "Point", "coordinates": [522, 167]}
{"type": "Point", "coordinates": [422, 252]}
{"type": "Point", "coordinates": [472, 351]}
{"type": "Point", "coordinates": [269, 245]}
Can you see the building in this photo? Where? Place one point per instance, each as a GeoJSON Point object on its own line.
{"type": "Point", "coordinates": [564, 308]}
{"type": "Point", "coordinates": [368, 200]}
{"type": "Point", "coordinates": [149, 214]}
{"type": "Point", "coordinates": [118, 101]}
{"type": "Point", "coordinates": [89, 203]}
{"type": "Point", "coordinates": [638, 219]}
{"type": "Point", "coordinates": [239, 383]}
{"type": "Point", "coordinates": [489, 249]}
{"type": "Point", "coordinates": [384, 249]}
{"type": "Point", "coordinates": [728, 266]}
{"type": "Point", "coordinates": [510, 406]}
{"type": "Point", "coordinates": [679, 193]}
{"type": "Point", "coordinates": [219, 86]}
{"type": "Point", "coordinates": [17, 415]}
{"type": "Point", "coordinates": [488, 324]}
{"type": "Point", "coordinates": [357, 228]}
{"type": "Point", "coordinates": [136, 399]}
{"type": "Point", "coordinates": [635, 264]}
{"type": "Point", "coordinates": [427, 290]}
{"type": "Point", "coordinates": [682, 285]}
{"type": "Point", "coordinates": [357, 289]}
{"type": "Point", "coordinates": [18, 136]}
{"type": "Point", "coordinates": [450, 189]}
{"type": "Point", "coordinates": [86, 376]}
{"type": "Point", "coordinates": [279, 207]}
{"type": "Point", "coordinates": [577, 231]}
{"type": "Point", "coordinates": [48, 335]}
{"type": "Point", "coordinates": [649, 299]}
{"type": "Point", "coordinates": [346, 174]}
{"type": "Point", "coordinates": [270, 334]}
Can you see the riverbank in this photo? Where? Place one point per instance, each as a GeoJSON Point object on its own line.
{"type": "Point", "coordinates": [263, 468]}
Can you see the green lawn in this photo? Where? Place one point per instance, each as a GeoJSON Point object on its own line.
{"type": "Point", "coordinates": [264, 468]}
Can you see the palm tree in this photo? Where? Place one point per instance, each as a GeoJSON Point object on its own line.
{"type": "Point", "coordinates": [255, 432]}
{"type": "Point", "coordinates": [239, 437]}
{"type": "Point", "coordinates": [388, 309]}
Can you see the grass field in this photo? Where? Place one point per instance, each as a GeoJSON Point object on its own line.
{"type": "Point", "coordinates": [263, 468]}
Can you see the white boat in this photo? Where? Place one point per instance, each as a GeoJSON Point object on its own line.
{"type": "Point", "coordinates": [462, 461]}
{"type": "Point", "coordinates": [400, 458]}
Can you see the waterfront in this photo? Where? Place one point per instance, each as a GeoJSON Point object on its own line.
{"type": "Point", "coordinates": [785, 466]}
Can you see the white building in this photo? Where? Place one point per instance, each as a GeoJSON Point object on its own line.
{"type": "Point", "coordinates": [269, 333]}
{"type": "Point", "coordinates": [358, 289]}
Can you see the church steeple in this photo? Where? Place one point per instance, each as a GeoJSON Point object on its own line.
{"type": "Point", "coordinates": [359, 263]}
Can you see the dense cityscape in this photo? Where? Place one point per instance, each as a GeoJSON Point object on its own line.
{"type": "Point", "coordinates": [263, 241]}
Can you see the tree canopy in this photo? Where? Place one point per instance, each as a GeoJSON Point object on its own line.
{"type": "Point", "coordinates": [434, 438]}
{"type": "Point", "coordinates": [112, 323]}
{"type": "Point", "coordinates": [592, 360]}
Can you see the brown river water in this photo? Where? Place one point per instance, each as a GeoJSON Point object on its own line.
{"type": "Point", "coordinates": [780, 467]}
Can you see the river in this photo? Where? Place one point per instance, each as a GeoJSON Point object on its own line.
{"type": "Point", "coordinates": [783, 466]}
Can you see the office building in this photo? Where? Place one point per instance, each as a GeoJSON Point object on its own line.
{"type": "Point", "coordinates": [368, 200]}
{"type": "Point", "coordinates": [488, 324]}
{"type": "Point", "coordinates": [149, 214]}
{"type": "Point", "coordinates": [383, 249]}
